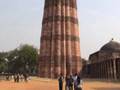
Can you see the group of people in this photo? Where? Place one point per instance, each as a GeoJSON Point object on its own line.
{"type": "Point", "coordinates": [72, 82]}
{"type": "Point", "coordinates": [17, 77]}
{"type": "Point", "coordinates": [20, 77]}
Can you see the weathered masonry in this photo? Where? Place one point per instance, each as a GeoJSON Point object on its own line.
{"type": "Point", "coordinates": [104, 64]}
{"type": "Point", "coordinates": [60, 42]}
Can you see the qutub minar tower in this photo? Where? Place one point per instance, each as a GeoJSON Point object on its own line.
{"type": "Point", "coordinates": [60, 42]}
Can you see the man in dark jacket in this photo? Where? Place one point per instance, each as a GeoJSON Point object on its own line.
{"type": "Point", "coordinates": [71, 82]}
{"type": "Point", "coordinates": [60, 80]}
{"type": "Point", "coordinates": [79, 83]}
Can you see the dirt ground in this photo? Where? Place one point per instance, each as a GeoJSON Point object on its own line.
{"type": "Point", "coordinates": [45, 84]}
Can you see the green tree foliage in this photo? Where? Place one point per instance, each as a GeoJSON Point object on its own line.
{"type": "Point", "coordinates": [21, 60]}
{"type": "Point", "coordinates": [3, 63]}
{"type": "Point", "coordinates": [27, 58]}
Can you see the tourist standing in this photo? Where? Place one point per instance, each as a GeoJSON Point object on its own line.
{"type": "Point", "coordinates": [67, 80]}
{"type": "Point", "coordinates": [25, 77]}
{"type": "Point", "coordinates": [71, 83]}
{"type": "Point", "coordinates": [60, 80]}
{"type": "Point", "coordinates": [21, 77]}
{"type": "Point", "coordinates": [79, 83]}
{"type": "Point", "coordinates": [75, 81]}
{"type": "Point", "coordinates": [17, 78]}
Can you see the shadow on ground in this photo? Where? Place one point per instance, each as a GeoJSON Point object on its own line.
{"type": "Point", "coordinates": [106, 88]}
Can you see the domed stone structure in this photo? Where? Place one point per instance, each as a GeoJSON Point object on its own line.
{"type": "Point", "coordinates": [112, 46]}
{"type": "Point", "coordinates": [105, 63]}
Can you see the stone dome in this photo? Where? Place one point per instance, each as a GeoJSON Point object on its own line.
{"type": "Point", "coordinates": [111, 46]}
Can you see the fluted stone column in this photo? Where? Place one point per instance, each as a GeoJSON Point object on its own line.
{"type": "Point", "coordinates": [63, 42]}
{"type": "Point", "coordinates": [111, 70]}
{"type": "Point", "coordinates": [60, 43]}
{"type": "Point", "coordinates": [118, 68]}
{"type": "Point", "coordinates": [114, 68]}
{"type": "Point", "coordinates": [68, 42]}
{"type": "Point", "coordinates": [102, 69]}
{"type": "Point", "coordinates": [107, 67]}
{"type": "Point", "coordinates": [105, 70]}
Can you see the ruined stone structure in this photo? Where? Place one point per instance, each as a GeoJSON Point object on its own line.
{"type": "Point", "coordinates": [104, 64]}
{"type": "Point", "coordinates": [60, 43]}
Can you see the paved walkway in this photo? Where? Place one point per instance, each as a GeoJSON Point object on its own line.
{"type": "Point", "coordinates": [45, 84]}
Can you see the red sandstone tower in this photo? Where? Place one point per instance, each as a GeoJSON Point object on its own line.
{"type": "Point", "coordinates": [60, 43]}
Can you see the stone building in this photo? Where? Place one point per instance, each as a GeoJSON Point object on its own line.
{"type": "Point", "coordinates": [105, 63]}
{"type": "Point", "coordinates": [85, 69]}
{"type": "Point", "coordinates": [60, 43]}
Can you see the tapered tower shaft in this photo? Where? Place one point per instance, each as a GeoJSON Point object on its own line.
{"type": "Point", "coordinates": [60, 43]}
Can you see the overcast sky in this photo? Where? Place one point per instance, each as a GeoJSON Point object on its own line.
{"type": "Point", "coordinates": [20, 23]}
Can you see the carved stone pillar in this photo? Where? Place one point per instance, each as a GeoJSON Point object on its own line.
{"type": "Point", "coordinates": [114, 68]}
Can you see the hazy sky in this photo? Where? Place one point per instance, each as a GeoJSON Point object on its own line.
{"type": "Point", "coordinates": [20, 23]}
